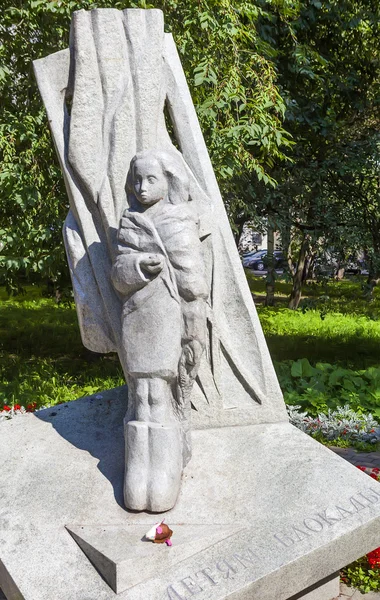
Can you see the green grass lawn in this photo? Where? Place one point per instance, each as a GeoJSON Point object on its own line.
{"type": "Point", "coordinates": [335, 323]}
{"type": "Point", "coordinates": [349, 339]}
{"type": "Point", "coordinates": [42, 358]}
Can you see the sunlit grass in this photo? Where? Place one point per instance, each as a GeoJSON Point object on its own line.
{"type": "Point", "coordinates": [42, 358]}
{"type": "Point", "coordinates": [335, 323]}
{"type": "Point", "coordinates": [352, 339]}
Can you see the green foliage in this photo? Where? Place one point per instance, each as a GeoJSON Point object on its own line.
{"type": "Point", "coordinates": [356, 180]}
{"type": "Point", "coordinates": [327, 55]}
{"type": "Point", "coordinates": [234, 91]}
{"type": "Point", "coordinates": [334, 345]}
{"type": "Point", "coordinates": [324, 386]}
{"type": "Point", "coordinates": [361, 576]}
{"type": "Point", "coordinates": [234, 86]}
{"type": "Point", "coordinates": [337, 324]}
{"type": "Point", "coordinates": [32, 203]}
{"type": "Point", "coordinates": [42, 358]}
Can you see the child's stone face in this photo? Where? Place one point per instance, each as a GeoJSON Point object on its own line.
{"type": "Point", "coordinates": [149, 182]}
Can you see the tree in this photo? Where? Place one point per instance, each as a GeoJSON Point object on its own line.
{"type": "Point", "coordinates": [234, 91]}
{"type": "Point", "coordinates": [357, 179]}
{"type": "Point", "coordinates": [327, 57]}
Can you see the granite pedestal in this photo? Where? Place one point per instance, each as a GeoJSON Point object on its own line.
{"type": "Point", "coordinates": [264, 513]}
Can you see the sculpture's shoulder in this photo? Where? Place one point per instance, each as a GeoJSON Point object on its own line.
{"type": "Point", "coordinates": [177, 213]}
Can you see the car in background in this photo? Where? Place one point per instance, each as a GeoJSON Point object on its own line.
{"type": "Point", "coordinates": [256, 260]}
{"type": "Point", "coordinates": [356, 267]}
{"type": "Point", "coordinates": [329, 266]}
{"type": "Point", "coordinates": [250, 257]}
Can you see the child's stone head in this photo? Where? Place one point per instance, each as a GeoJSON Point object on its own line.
{"type": "Point", "coordinates": [149, 181]}
{"type": "Point", "coordinates": [156, 175]}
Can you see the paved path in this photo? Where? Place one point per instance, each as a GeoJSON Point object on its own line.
{"type": "Point", "coordinates": [348, 593]}
{"type": "Point", "coordinates": [364, 459]}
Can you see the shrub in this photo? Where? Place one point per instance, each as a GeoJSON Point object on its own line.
{"type": "Point", "coordinates": [325, 387]}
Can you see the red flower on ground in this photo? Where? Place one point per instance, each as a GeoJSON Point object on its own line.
{"type": "Point", "coordinates": [17, 407]}
{"type": "Point", "coordinates": [31, 407]}
{"type": "Point", "coordinates": [374, 558]}
{"type": "Point", "coordinates": [6, 408]}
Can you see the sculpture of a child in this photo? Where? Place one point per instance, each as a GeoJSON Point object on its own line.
{"type": "Point", "coordinates": [159, 272]}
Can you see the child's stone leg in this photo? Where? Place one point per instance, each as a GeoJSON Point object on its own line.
{"type": "Point", "coordinates": [140, 391]}
{"type": "Point", "coordinates": [165, 451]}
{"type": "Point", "coordinates": [153, 448]}
{"type": "Point", "coordinates": [161, 400]}
{"type": "Point", "coordinates": [136, 435]}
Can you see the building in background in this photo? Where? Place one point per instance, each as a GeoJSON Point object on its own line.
{"type": "Point", "coordinates": [251, 239]}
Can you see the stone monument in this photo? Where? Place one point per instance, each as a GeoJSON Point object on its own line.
{"type": "Point", "coordinates": [257, 508]}
{"type": "Point", "coordinates": [159, 272]}
{"type": "Point", "coordinates": [155, 272]}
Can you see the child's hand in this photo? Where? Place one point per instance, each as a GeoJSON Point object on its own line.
{"type": "Point", "coordinates": [153, 263]}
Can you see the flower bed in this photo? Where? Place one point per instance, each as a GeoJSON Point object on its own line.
{"type": "Point", "coordinates": [8, 412]}
{"type": "Point", "coordinates": [364, 574]}
{"type": "Point", "coordinates": [344, 425]}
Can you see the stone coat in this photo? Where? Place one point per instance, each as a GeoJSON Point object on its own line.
{"type": "Point", "coordinates": [152, 319]}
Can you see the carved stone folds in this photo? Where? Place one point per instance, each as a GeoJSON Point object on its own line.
{"type": "Point", "coordinates": [155, 271]}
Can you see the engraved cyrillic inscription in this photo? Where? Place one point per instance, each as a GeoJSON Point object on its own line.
{"type": "Point", "coordinates": [240, 560]}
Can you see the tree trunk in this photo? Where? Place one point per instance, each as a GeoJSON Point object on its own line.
{"type": "Point", "coordinates": [372, 281]}
{"type": "Point", "coordinates": [271, 272]}
{"type": "Point", "coordinates": [374, 264]}
{"type": "Point", "coordinates": [240, 226]}
{"type": "Point", "coordinates": [311, 267]}
{"type": "Point", "coordinates": [296, 293]}
{"type": "Point", "coordinates": [340, 273]}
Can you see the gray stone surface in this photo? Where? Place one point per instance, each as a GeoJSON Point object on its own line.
{"type": "Point", "coordinates": [126, 71]}
{"type": "Point", "coordinates": [292, 511]}
{"type": "Point", "coordinates": [155, 270]}
{"type": "Point", "coordinates": [160, 274]}
{"type": "Point", "coordinates": [118, 563]}
{"type": "Point", "coordinates": [124, 558]}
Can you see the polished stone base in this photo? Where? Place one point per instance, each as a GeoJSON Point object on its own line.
{"type": "Point", "coordinates": [264, 512]}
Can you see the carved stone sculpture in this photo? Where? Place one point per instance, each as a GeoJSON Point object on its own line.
{"type": "Point", "coordinates": [155, 270]}
{"type": "Point", "coordinates": [264, 511]}
{"type": "Point", "coordinates": [160, 275]}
